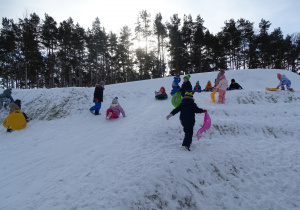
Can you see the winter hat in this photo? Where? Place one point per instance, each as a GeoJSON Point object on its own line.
{"type": "Point", "coordinates": [197, 82]}
{"type": "Point", "coordinates": [232, 80]}
{"type": "Point", "coordinates": [189, 93]}
{"type": "Point", "coordinates": [178, 75]}
{"type": "Point", "coordinates": [222, 71]}
{"type": "Point", "coordinates": [115, 100]}
{"type": "Point", "coordinates": [223, 77]}
{"type": "Point", "coordinates": [187, 77]}
{"type": "Point", "coordinates": [102, 83]}
{"type": "Point", "coordinates": [163, 89]}
{"type": "Point", "coordinates": [278, 76]}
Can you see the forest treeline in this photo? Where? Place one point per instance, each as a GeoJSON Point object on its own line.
{"type": "Point", "coordinates": [37, 53]}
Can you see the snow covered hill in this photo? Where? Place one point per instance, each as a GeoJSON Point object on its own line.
{"type": "Point", "coordinates": [67, 158]}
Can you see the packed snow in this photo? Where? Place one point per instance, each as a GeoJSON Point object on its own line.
{"type": "Point", "coordinates": [68, 158]}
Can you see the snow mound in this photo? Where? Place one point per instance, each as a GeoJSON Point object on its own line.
{"type": "Point", "coordinates": [67, 158]}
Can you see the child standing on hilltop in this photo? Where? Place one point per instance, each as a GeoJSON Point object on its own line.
{"type": "Point", "coordinates": [222, 86]}
{"type": "Point", "coordinates": [114, 110]}
{"type": "Point", "coordinates": [186, 85]}
{"type": "Point", "coordinates": [98, 98]}
{"type": "Point", "coordinates": [175, 84]}
{"type": "Point", "coordinates": [187, 110]}
{"type": "Point", "coordinates": [284, 81]}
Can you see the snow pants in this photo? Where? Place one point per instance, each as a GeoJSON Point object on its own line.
{"type": "Point", "coordinates": [287, 83]}
{"type": "Point", "coordinates": [113, 115]}
{"type": "Point", "coordinates": [96, 108]}
{"type": "Point", "coordinates": [221, 96]}
{"type": "Point", "coordinates": [188, 128]}
{"type": "Point", "coordinates": [174, 90]}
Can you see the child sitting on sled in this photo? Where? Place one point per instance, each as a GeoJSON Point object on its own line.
{"type": "Point", "coordinates": [161, 94]}
{"type": "Point", "coordinates": [187, 110]}
{"type": "Point", "coordinates": [114, 110]}
{"type": "Point", "coordinates": [234, 85]}
{"type": "Point", "coordinates": [208, 87]}
{"type": "Point", "coordinates": [222, 86]}
{"type": "Point", "coordinates": [16, 105]}
{"type": "Point", "coordinates": [197, 88]}
{"type": "Point", "coordinates": [284, 81]}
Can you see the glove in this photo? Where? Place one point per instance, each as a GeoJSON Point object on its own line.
{"type": "Point", "coordinates": [96, 99]}
{"type": "Point", "coordinates": [277, 87]}
{"type": "Point", "coordinates": [170, 115]}
{"type": "Point", "coordinates": [205, 111]}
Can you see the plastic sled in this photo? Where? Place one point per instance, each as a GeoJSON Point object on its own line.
{"type": "Point", "coordinates": [212, 95]}
{"type": "Point", "coordinates": [176, 99]}
{"type": "Point", "coordinates": [15, 121]}
{"type": "Point", "coordinates": [161, 99]}
{"type": "Point", "coordinates": [272, 89]}
{"type": "Point", "coordinates": [206, 125]}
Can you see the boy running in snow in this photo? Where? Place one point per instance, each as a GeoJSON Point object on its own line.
{"type": "Point", "coordinates": [175, 84]}
{"type": "Point", "coordinates": [186, 86]}
{"type": "Point", "coordinates": [284, 81]}
{"type": "Point", "coordinates": [114, 110]}
{"type": "Point", "coordinates": [5, 97]}
{"type": "Point", "coordinates": [98, 98]}
{"type": "Point", "coordinates": [161, 94]}
{"type": "Point", "coordinates": [234, 85]}
{"type": "Point", "coordinates": [197, 88]}
{"type": "Point", "coordinates": [187, 110]}
{"type": "Point", "coordinates": [222, 86]}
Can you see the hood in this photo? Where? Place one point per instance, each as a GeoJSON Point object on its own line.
{"type": "Point", "coordinates": [186, 100]}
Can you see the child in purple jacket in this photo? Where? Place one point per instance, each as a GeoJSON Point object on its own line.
{"type": "Point", "coordinates": [114, 110]}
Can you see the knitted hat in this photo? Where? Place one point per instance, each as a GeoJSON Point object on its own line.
{"type": "Point", "coordinates": [222, 77]}
{"type": "Point", "coordinates": [222, 71]}
{"type": "Point", "coordinates": [178, 75]}
{"type": "Point", "coordinates": [197, 82]}
{"type": "Point", "coordinates": [278, 76]}
{"type": "Point", "coordinates": [232, 80]}
{"type": "Point", "coordinates": [102, 83]}
{"type": "Point", "coordinates": [115, 100]}
{"type": "Point", "coordinates": [18, 102]}
{"type": "Point", "coordinates": [189, 93]}
{"type": "Point", "coordinates": [187, 77]}
{"type": "Point", "coordinates": [163, 89]}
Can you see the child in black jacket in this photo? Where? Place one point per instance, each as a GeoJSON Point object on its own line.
{"type": "Point", "coordinates": [186, 86]}
{"type": "Point", "coordinates": [98, 98]}
{"type": "Point", "coordinates": [187, 110]}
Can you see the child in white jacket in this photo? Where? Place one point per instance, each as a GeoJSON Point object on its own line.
{"type": "Point", "coordinates": [222, 86]}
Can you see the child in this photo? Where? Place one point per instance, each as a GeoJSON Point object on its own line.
{"type": "Point", "coordinates": [197, 88]}
{"type": "Point", "coordinates": [114, 110]}
{"type": "Point", "coordinates": [98, 98]}
{"type": "Point", "coordinates": [13, 106]}
{"type": "Point", "coordinates": [175, 84]}
{"type": "Point", "coordinates": [220, 74]}
{"type": "Point", "coordinates": [161, 94]}
{"type": "Point", "coordinates": [222, 86]}
{"type": "Point", "coordinates": [284, 81]}
{"type": "Point", "coordinates": [187, 110]}
{"type": "Point", "coordinates": [186, 85]}
{"type": "Point", "coordinates": [4, 97]}
{"type": "Point", "coordinates": [234, 85]}
{"type": "Point", "coordinates": [208, 87]}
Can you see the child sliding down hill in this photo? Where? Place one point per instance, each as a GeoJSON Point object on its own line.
{"type": "Point", "coordinates": [222, 86]}
{"type": "Point", "coordinates": [187, 110]}
{"type": "Point", "coordinates": [161, 94]}
{"type": "Point", "coordinates": [114, 110]}
{"type": "Point", "coordinates": [284, 81]}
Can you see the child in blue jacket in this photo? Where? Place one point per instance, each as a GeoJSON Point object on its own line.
{"type": "Point", "coordinates": [175, 84]}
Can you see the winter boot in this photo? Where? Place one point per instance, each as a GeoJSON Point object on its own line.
{"type": "Point", "coordinates": [187, 148]}
{"type": "Point", "coordinates": [109, 115]}
{"type": "Point", "coordinates": [291, 89]}
{"type": "Point", "coordinates": [92, 111]}
{"type": "Point", "coordinates": [96, 112]}
{"type": "Point", "coordinates": [282, 88]}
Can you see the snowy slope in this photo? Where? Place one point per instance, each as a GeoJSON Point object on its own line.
{"type": "Point", "coordinates": [67, 158]}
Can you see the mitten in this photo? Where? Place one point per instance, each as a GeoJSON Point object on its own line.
{"type": "Point", "coordinates": [205, 111]}
{"type": "Point", "coordinates": [170, 115]}
{"type": "Point", "coordinates": [96, 99]}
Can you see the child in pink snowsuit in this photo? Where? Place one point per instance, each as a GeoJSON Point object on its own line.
{"type": "Point", "coordinates": [222, 86]}
{"type": "Point", "coordinates": [114, 110]}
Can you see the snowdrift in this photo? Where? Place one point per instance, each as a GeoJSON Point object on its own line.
{"type": "Point", "coordinates": [67, 158]}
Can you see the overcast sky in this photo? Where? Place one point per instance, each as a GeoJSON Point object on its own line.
{"type": "Point", "coordinates": [114, 14]}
